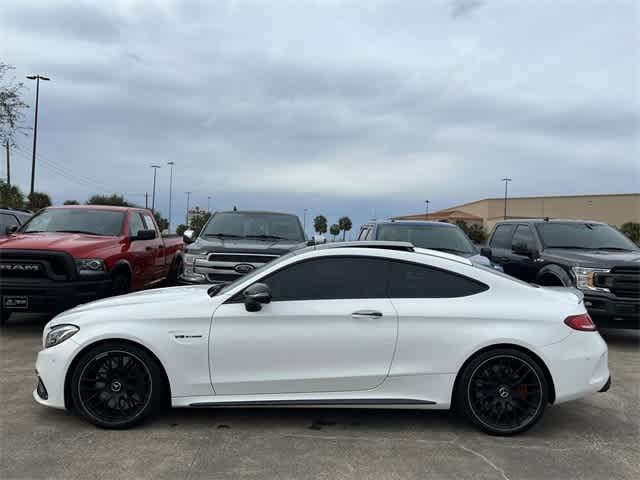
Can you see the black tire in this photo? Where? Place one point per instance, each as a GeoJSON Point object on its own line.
{"type": "Point", "coordinates": [117, 385]}
{"type": "Point", "coordinates": [503, 391]}
{"type": "Point", "coordinates": [120, 283]}
{"type": "Point", "coordinates": [176, 270]}
{"type": "Point", "coordinates": [4, 317]}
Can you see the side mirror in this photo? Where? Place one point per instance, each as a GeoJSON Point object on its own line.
{"type": "Point", "coordinates": [144, 235]}
{"type": "Point", "coordinates": [189, 236]}
{"type": "Point", "coordinates": [11, 229]}
{"type": "Point", "coordinates": [317, 240]}
{"type": "Point", "coordinates": [255, 296]}
{"type": "Point", "coordinates": [486, 252]}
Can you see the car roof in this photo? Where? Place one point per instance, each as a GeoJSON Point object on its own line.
{"type": "Point", "coordinates": [257, 212]}
{"type": "Point", "coordinates": [115, 208]}
{"type": "Point", "coordinates": [548, 220]}
{"type": "Point", "coordinates": [417, 223]}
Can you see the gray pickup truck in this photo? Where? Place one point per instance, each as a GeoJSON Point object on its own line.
{"type": "Point", "coordinates": [233, 243]}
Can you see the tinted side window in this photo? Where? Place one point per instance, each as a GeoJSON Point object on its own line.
{"type": "Point", "coordinates": [135, 224]}
{"type": "Point", "coordinates": [524, 238]}
{"type": "Point", "coordinates": [7, 220]}
{"type": "Point", "coordinates": [502, 236]}
{"type": "Point", "coordinates": [410, 280]}
{"type": "Point", "coordinates": [330, 278]}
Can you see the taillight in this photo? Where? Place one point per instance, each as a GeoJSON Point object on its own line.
{"type": "Point", "coordinates": [581, 322]}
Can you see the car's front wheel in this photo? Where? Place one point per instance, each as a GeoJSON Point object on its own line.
{"type": "Point", "coordinates": [117, 385]}
{"type": "Point", "coordinates": [503, 391]}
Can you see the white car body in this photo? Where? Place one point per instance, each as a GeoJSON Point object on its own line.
{"type": "Point", "coordinates": [314, 352]}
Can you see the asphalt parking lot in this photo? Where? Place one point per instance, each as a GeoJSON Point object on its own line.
{"type": "Point", "coordinates": [598, 437]}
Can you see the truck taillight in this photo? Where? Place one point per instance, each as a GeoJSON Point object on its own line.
{"type": "Point", "coordinates": [581, 322]}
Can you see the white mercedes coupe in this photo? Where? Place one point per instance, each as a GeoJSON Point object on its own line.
{"type": "Point", "coordinates": [354, 324]}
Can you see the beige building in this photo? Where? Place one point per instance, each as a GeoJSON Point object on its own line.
{"type": "Point", "coordinates": [614, 209]}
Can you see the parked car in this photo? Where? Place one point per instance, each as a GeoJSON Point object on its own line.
{"type": "Point", "coordinates": [441, 236]}
{"type": "Point", "coordinates": [11, 219]}
{"type": "Point", "coordinates": [68, 255]}
{"type": "Point", "coordinates": [233, 243]}
{"type": "Point", "coordinates": [358, 324]}
{"type": "Point", "coordinates": [592, 256]}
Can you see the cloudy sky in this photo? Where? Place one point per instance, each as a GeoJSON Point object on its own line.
{"type": "Point", "coordinates": [357, 107]}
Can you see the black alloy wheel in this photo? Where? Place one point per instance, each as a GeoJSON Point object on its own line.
{"type": "Point", "coordinates": [117, 385]}
{"type": "Point", "coordinates": [504, 391]}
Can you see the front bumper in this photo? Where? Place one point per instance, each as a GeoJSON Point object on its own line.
{"type": "Point", "coordinates": [52, 296]}
{"type": "Point", "coordinates": [51, 370]}
{"type": "Point", "coordinates": [609, 311]}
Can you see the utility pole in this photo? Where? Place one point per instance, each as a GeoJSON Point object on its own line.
{"type": "Point", "coordinates": [171, 164]}
{"type": "Point", "coordinates": [37, 78]}
{"type": "Point", "coordinates": [8, 165]}
{"type": "Point", "coordinates": [427, 202]}
{"type": "Point", "coordinates": [209, 204]}
{"type": "Point", "coordinates": [146, 199]}
{"type": "Point", "coordinates": [506, 181]}
{"type": "Point", "coordinates": [186, 222]}
{"type": "Point", "coordinates": [153, 195]}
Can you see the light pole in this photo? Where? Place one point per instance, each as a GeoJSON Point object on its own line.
{"type": "Point", "coordinates": [171, 164]}
{"type": "Point", "coordinates": [37, 78]}
{"type": "Point", "coordinates": [153, 195]}
{"type": "Point", "coordinates": [187, 216]}
{"type": "Point", "coordinates": [208, 203]}
{"type": "Point", "coordinates": [304, 222]}
{"type": "Point", "coordinates": [427, 202]}
{"type": "Point", "coordinates": [506, 181]}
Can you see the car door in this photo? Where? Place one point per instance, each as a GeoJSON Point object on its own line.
{"type": "Point", "coordinates": [523, 266]}
{"type": "Point", "coordinates": [329, 327]}
{"type": "Point", "coordinates": [500, 244]}
{"type": "Point", "coordinates": [157, 249]}
{"type": "Point", "coordinates": [142, 261]}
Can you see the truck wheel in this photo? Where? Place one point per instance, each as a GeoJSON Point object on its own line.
{"type": "Point", "coordinates": [5, 316]}
{"type": "Point", "coordinates": [120, 284]}
{"type": "Point", "coordinates": [176, 268]}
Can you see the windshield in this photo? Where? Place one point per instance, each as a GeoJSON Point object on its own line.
{"type": "Point", "coordinates": [221, 289]}
{"type": "Point", "coordinates": [590, 236]}
{"type": "Point", "coordinates": [267, 226]}
{"type": "Point", "coordinates": [446, 238]}
{"type": "Point", "coordinates": [73, 220]}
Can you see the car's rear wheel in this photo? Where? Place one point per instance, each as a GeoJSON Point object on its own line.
{"type": "Point", "coordinates": [503, 391]}
{"type": "Point", "coordinates": [117, 385]}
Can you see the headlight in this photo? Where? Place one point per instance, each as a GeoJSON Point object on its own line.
{"type": "Point", "coordinates": [190, 259]}
{"type": "Point", "coordinates": [59, 334]}
{"type": "Point", "coordinates": [90, 266]}
{"type": "Point", "coordinates": [585, 278]}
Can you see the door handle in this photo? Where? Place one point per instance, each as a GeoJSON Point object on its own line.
{"type": "Point", "coordinates": [366, 314]}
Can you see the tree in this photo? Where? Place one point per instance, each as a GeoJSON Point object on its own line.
{"type": "Point", "coordinates": [71, 202]}
{"type": "Point", "coordinates": [163, 223]}
{"type": "Point", "coordinates": [334, 230]}
{"type": "Point", "coordinates": [11, 105]}
{"type": "Point", "coordinates": [320, 224]}
{"type": "Point", "coordinates": [632, 230]}
{"type": "Point", "coordinates": [181, 229]}
{"type": "Point", "coordinates": [198, 220]}
{"type": "Point", "coordinates": [345, 225]}
{"type": "Point", "coordinates": [113, 199]}
{"type": "Point", "coordinates": [10, 196]}
{"type": "Point", "coordinates": [475, 232]}
{"type": "Point", "coordinates": [38, 201]}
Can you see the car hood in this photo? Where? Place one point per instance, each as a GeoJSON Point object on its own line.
{"type": "Point", "coordinates": [76, 244]}
{"type": "Point", "coordinates": [245, 245]}
{"type": "Point", "coordinates": [594, 258]}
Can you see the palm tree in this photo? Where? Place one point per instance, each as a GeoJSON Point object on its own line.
{"type": "Point", "coordinates": [345, 225]}
{"type": "Point", "coordinates": [334, 230]}
{"type": "Point", "coordinates": [320, 224]}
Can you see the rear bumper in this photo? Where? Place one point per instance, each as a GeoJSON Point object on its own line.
{"type": "Point", "coordinates": [611, 312]}
{"type": "Point", "coordinates": [578, 365]}
{"type": "Point", "coordinates": [51, 296]}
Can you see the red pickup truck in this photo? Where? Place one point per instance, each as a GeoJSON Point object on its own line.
{"type": "Point", "coordinates": [64, 256]}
